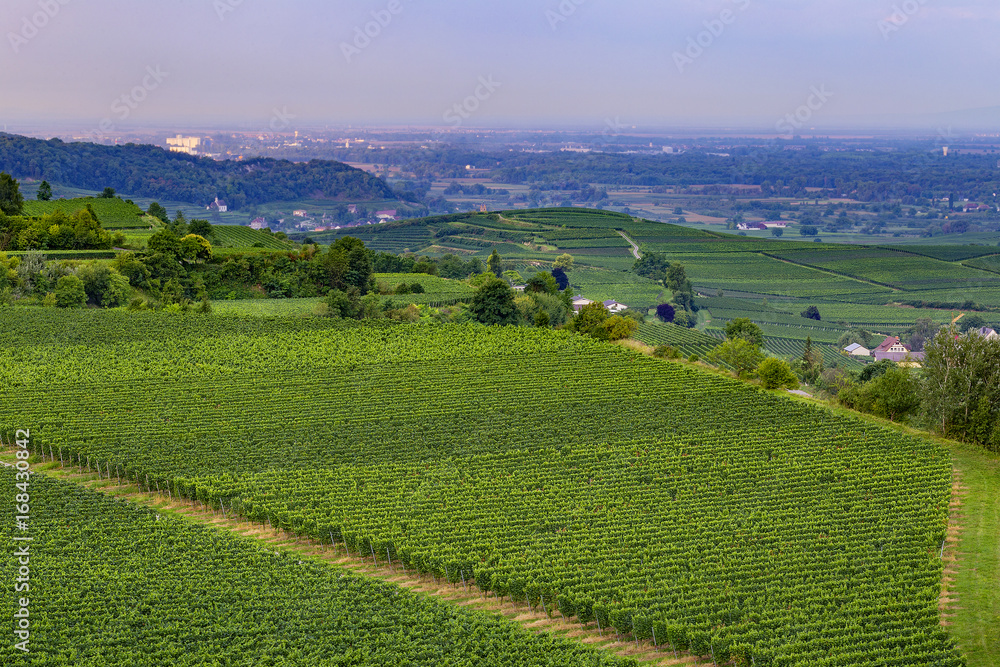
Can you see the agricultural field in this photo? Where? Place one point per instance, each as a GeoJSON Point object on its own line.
{"type": "Point", "coordinates": [234, 236]}
{"type": "Point", "coordinates": [673, 505]}
{"type": "Point", "coordinates": [687, 341]}
{"type": "Point", "coordinates": [113, 213]}
{"type": "Point", "coordinates": [903, 271]}
{"type": "Point", "coordinates": [115, 577]}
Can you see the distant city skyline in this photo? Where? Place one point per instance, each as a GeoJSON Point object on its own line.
{"type": "Point", "coordinates": [780, 65]}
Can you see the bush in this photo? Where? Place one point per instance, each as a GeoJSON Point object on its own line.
{"type": "Point", "coordinates": [70, 292]}
{"type": "Point", "coordinates": [666, 352]}
{"type": "Point", "coordinates": [775, 374]}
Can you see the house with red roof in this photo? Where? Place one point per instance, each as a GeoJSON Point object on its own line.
{"type": "Point", "coordinates": [892, 349]}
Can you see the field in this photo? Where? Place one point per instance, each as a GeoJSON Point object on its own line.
{"type": "Point", "coordinates": [233, 236]}
{"type": "Point", "coordinates": [610, 487]}
{"type": "Point", "coordinates": [116, 577]}
{"type": "Point", "coordinates": [113, 213]}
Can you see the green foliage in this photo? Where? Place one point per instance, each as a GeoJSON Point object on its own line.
{"type": "Point", "coordinates": [739, 354]}
{"type": "Point", "coordinates": [234, 602]}
{"type": "Point", "coordinates": [895, 395]}
{"type": "Point", "coordinates": [876, 370]}
{"type": "Point", "coordinates": [108, 193]}
{"type": "Point", "coordinates": [494, 264]}
{"type": "Point", "coordinates": [493, 304]}
{"type": "Point", "coordinates": [44, 191]}
{"type": "Point", "coordinates": [564, 262]}
{"type": "Point", "coordinates": [348, 265]}
{"type": "Point", "coordinates": [149, 171]}
{"type": "Point", "coordinates": [113, 213]}
{"type": "Point", "coordinates": [70, 292]}
{"type": "Point", "coordinates": [776, 374]}
{"type": "Point", "coordinates": [157, 211]}
{"type": "Point", "coordinates": [11, 201]}
{"type": "Point", "coordinates": [480, 430]}
{"type": "Point", "coordinates": [105, 287]}
{"type": "Point", "coordinates": [961, 392]}
{"type": "Point", "coordinates": [666, 352]}
{"type": "Point", "coordinates": [57, 231]}
{"type": "Point", "coordinates": [812, 313]}
{"type": "Point", "coordinates": [743, 329]}
{"type": "Point", "coordinates": [560, 454]}
{"type": "Point", "coordinates": [195, 248]}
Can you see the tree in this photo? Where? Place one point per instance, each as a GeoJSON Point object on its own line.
{"type": "Point", "coordinates": [158, 212]}
{"type": "Point", "coordinates": [812, 313]}
{"type": "Point", "coordinates": [739, 354]}
{"type": "Point", "coordinates": [876, 370]}
{"type": "Point", "coordinates": [493, 304]}
{"type": "Point", "coordinates": [11, 201]}
{"type": "Point", "coordinates": [542, 283]}
{"type": "Point", "coordinates": [44, 191]}
{"type": "Point", "coordinates": [743, 328]}
{"type": "Point", "coordinates": [812, 362]}
{"type": "Point", "coordinates": [494, 264]}
{"type": "Point", "coordinates": [894, 396]}
{"type": "Point", "coordinates": [109, 193]}
{"type": "Point", "coordinates": [196, 248]}
{"type": "Point", "coordinates": [70, 292]}
{"type": "Point", "coordinates": [513, 277]}
{"type": "Point", "coordinates": [971, 323]}
{"type": "Point", "coordinates": [202, 228]}
{"type": "Point", "coordinates": [564, 262]}
{"type": "Point", "coordinates": [590, 318]}
{"type": "Point", "coordinates": [775, 374]}
{"type": "Point", "coordinates": [348, 264]}
{"type": "Point", "coordinates": [562, 280]}
{"type": "Point", "coordinates": [961, 392]}
{"type": "Point", "coordinates": [808, 230]}
{"type": "Point", "coordinates": [777, 232]}
{"type": "Point", "coordinates": [665, 312]}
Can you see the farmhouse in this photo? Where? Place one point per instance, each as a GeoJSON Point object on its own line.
{"type": "Point", "coordinates": [614, 307]}
{"type": "Point", "coordinates": [751, 226]}
{"type": "Point", "coordinates": [258, 223]}
{"type": "Point", "coordinates": [856, 350]}
{"type": "Point", "coordinates": [893, 350]}
{"type": "Point", "coordinates": [580, 302]}
{"type": "Point", "coordinates": [389, 215]}
{"type": "Point", "coordinates": [299, 214]}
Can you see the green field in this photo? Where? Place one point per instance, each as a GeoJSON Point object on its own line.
{"type": "Point", "coordinates": [607, 486]}
{"type": "Point", "coordinates": [234, 236]}
{"type": "Point", "coordinates": [122, 585]}
{"type": "Point", "coordinates": [113, 213]}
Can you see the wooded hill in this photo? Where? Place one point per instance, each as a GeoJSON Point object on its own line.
{"type": "Point", "coordinates": [149, 171]}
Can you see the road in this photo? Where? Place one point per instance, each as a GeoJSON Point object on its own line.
{"type": "Point", "coordinates": [635, 248]}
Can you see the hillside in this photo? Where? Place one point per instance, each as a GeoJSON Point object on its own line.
{"type": "Point", "coordinates": [552, 470]}
{"type": "Point", "coordinates": [149, 171]}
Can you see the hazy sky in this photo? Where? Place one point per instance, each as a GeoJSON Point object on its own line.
{"type": "Point", "coordinates": [260, 62]}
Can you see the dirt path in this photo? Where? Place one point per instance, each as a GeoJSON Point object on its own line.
{"type": "Point", "coordinates": [549, 620]}
{"type": "Point", "coordinates": [635, 248]}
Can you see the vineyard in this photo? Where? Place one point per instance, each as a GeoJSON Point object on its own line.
{"type": "Point", "coordinates": [234, 236]}
{"type": "Point", "coordinates": [113, 213]}
{"type": "Point", "coordinates": [675, 506]}
{"type": "Point", "coordinates": [687, 341]}
{"type": "Point", "coordinates": [115, 577]}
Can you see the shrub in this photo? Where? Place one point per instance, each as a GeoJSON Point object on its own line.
{"type": "Point", "coordinates": [775, 374]}
{"type": "Point", "coordinates": [665, 312]}
{"type": "Point", "coordinates": [70, 292]}
{"type": "Point", "coordinates": [666, 352]}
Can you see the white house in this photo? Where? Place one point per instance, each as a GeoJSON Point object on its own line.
{"type": "Point", "coordinates": [258, 223]}
{"type": "Point", "coordinates": [988, 333]}
{"type": "Point", "coordinates": [299, 214]}
{"type": "Point", "coordinates": [580, 302]}
{"type": "Point", "coordinates": [614, 307]}
{"type": "Point", "coordinates": [856, 350]}
{"type": "Point", "coordinates": [218, 205]}
{"type": "Point", "coordinates": [386, 215]}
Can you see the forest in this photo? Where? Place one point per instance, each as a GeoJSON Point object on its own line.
{"type": "Point", "coordinates": [149, 171]}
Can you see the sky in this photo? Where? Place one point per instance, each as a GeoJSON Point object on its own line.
{"type": "Point", "coordinates": [508, 63]}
